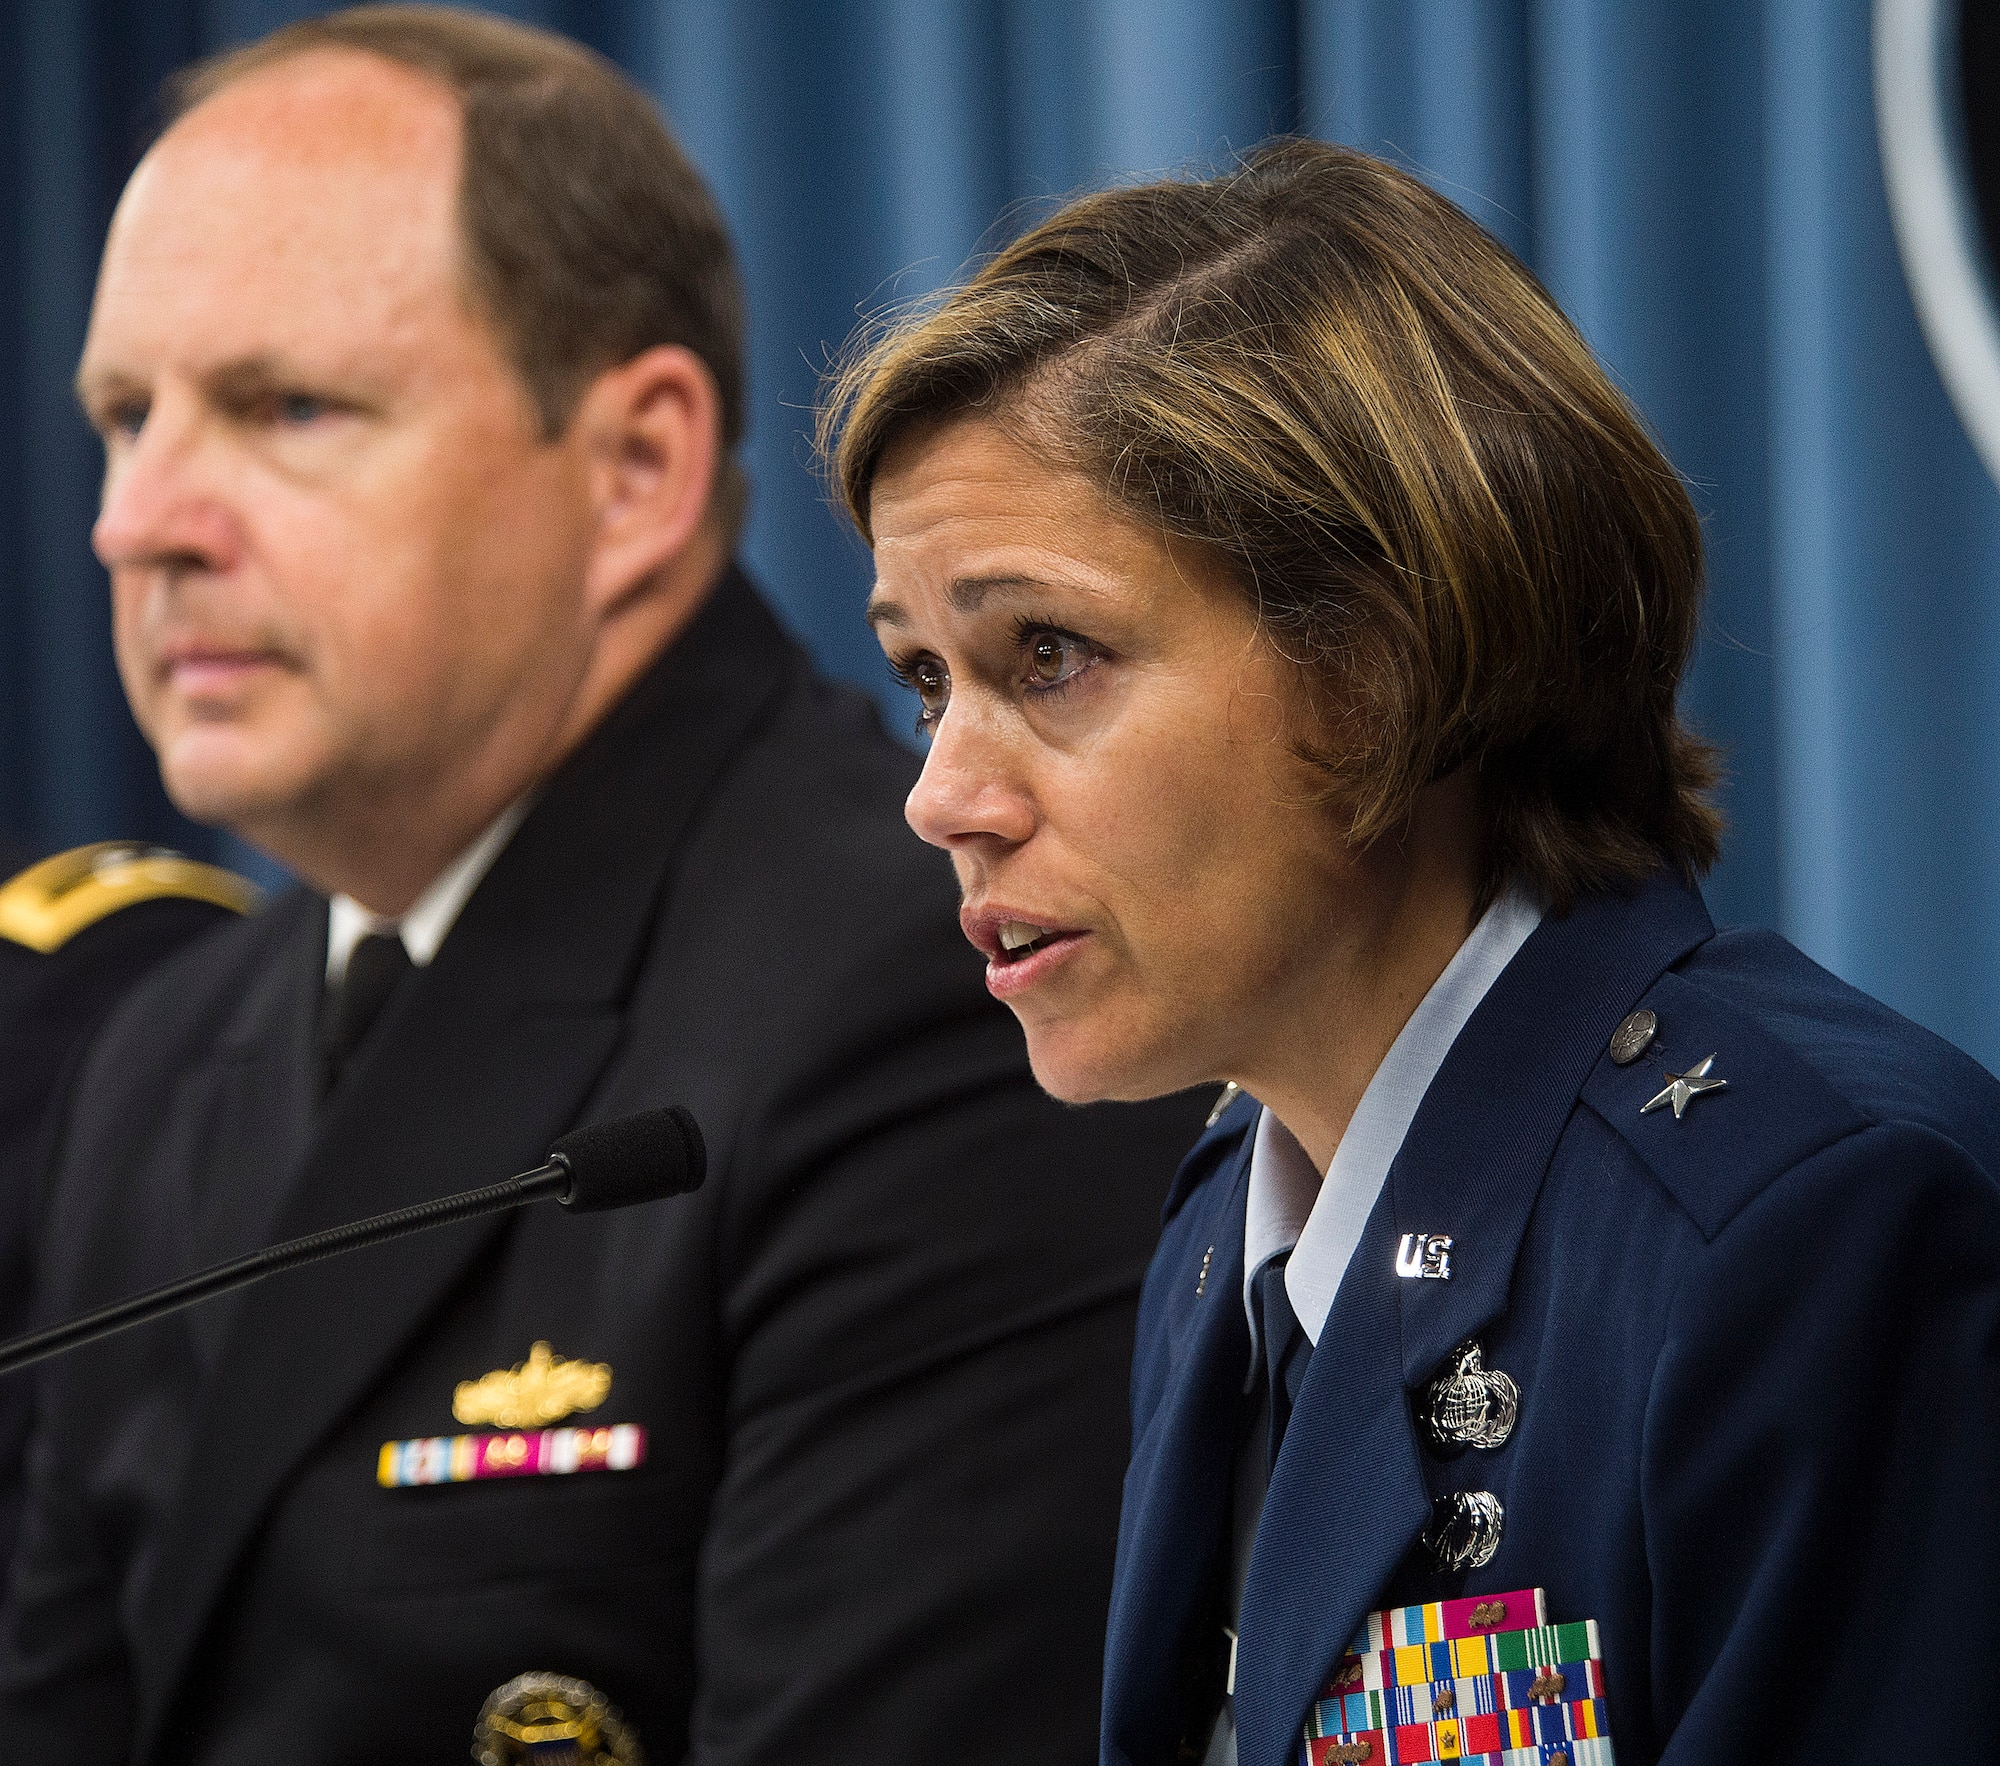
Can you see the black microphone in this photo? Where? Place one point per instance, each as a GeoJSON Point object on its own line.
{"type": "Point", "coordinates": [639, 1158]}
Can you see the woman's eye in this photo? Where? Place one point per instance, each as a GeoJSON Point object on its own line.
{"type": "Point", "coordinates": [927, 679]}
{"type": "Point", "coordinates": [1054, 658]}
{"type": "Point", "coordinates": [300, 407]}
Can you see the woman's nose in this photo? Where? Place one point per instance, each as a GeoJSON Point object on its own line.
{"type": "Point", "coordinates": [971, 789]}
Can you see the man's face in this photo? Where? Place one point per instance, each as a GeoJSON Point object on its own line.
{"type": "Point", "coordinates": [346, 569]}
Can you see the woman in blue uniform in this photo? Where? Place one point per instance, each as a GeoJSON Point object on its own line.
{"type": "Point", "coordinates": [1297, 613]}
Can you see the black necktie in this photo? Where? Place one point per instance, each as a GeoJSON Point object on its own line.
{"type": "Point", "coordinates": [1286, 1349]}
{"type": "Point", "coordinates": [375, 967]}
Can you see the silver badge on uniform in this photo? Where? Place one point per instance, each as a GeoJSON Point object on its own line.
{"type": "Point", "coordinates": [1464, 1529]}
{"type": "Point", "coordinates": [1469, 1404]}
{"type": "Point", "coordinates": [1424, 1257]}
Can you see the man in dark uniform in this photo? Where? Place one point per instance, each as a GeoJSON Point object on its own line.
{"type": "Point", "coordinates": [415, 356]}
{"type": "Point", "coordinates": [76, 931]}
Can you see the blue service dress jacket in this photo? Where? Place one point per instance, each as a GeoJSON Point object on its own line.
{"type": "Point", "coordinates": [1757, 1345]}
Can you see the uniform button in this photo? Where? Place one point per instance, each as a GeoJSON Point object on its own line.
{"type": "Point", "coordinates": [1634, 1036]}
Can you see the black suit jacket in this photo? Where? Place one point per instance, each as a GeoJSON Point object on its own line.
{"type": "Point", "coordinates": [50, 1003]}
{"type": "Point", "coordinates": [880, 1357]}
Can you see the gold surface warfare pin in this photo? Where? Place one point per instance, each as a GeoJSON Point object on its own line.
{"type": "Point", "coordinates": [543, 1389]}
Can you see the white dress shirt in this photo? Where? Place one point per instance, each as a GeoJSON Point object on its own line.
{"type": "Point", "coordinates": [433, 913]}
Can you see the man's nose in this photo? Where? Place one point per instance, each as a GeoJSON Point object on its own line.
{"type": "Point", "coordinates": [162, 502]}
{"type": "Point", "coordinates": [971, 791]}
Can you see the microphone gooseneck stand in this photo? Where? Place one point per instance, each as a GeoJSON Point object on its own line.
{"type": "Point", "coordinates": [636, 1159]}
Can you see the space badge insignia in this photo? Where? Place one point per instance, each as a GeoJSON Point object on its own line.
{"type": "Point", "coordinates": [1468, 1404]}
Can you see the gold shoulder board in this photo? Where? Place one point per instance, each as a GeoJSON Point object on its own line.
{"type": "Point", "coordinates": [49, 903]}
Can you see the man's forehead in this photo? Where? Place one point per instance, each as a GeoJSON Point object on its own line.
{"type": "Point", "coordinates": [288, 204]}
{"type": "Point", "coordinates": [331, 107]}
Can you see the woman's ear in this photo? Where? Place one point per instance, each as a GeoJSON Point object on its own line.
{"type": "Point", "coordinates": [651, 434]}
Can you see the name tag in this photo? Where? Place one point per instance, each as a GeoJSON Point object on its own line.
{"type": "Point", "coordinates": [534, 1453]}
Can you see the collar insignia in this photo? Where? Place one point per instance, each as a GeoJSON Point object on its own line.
{"type": "Point", "coordinates": [543, 1389]}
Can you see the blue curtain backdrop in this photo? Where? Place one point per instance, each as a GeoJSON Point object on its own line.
{"type": "Point", "coordinates": [1696, 180]}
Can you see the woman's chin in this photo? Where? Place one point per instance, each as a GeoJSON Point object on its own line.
{"type": "Point", "coordinates": [1075, 1069]}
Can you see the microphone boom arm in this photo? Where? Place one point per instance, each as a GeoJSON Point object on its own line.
{"type": "Point", "coordinates": [552, 1179]}
{"type": "Point", "coordinates": [642, 1158]}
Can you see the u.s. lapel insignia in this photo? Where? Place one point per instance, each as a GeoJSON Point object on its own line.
{"type": "Point", "coordinates": [1682, 1089]}
{"type": "Point", "coordinates": [1424, 1257]}
{"type": "Point", "coordinates": [541, 1390]}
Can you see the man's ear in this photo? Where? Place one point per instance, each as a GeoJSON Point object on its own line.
{"type": "Point", "coordinates": [651, 435]}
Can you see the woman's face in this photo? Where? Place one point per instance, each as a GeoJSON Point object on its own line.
{"type": "Point", "coordinates": [1111, 770]}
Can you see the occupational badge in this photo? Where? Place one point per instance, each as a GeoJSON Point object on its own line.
{"type": "Point", "coordinates": [1468, 1404]}
{"type": "Point", "coordinates": [1464, 1530]}
{"type": "Point", "coordinates": [552, 1720]}
{"type": "Point", "coordinates": [541, 1390]}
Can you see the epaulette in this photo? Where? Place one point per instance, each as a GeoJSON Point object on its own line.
{"type": "Point", "coordinates": [49, 903]}
{"type": "Point", "coordinates": [1714, 1147]}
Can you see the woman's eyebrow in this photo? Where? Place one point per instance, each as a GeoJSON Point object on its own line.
{"type": "Point", "coordinates": [965, 593]}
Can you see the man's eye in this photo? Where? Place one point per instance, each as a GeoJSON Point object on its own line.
{"type": "Point", "coordinates": [126, 420]}
{"type": "Point", "coordinates": [301, 407]}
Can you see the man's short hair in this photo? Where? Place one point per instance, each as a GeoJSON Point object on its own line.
{"type": "Point", "coordinates": [588, 235]}
{"type": "Point", "coordinates": [1443, 511]}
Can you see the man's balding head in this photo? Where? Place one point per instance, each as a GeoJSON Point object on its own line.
{"type": "Point", "coordinates": [587, 233]}
{"type": "Point", "coordinates": [377, 565]}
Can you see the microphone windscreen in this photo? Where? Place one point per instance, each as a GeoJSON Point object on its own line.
{"type": "Point", "coordinates": [634, 1159]}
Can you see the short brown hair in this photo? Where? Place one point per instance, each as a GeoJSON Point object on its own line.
{"type": "Point", "coordinates": [1444, 512]}
{"type": "Point", "coordinates": [588, 235]}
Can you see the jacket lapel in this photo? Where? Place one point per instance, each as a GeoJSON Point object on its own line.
{"type": "Point", "coordinates": [486, 1057]}
{"type": "Point", "coordinates": [260, 1087]}
{"type": "Point", "coordinates": [1348, 1498]}
{"type": "Point", "coordinates": [1176, 1515]}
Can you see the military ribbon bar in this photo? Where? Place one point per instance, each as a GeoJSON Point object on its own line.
{"type": "Point", "coordinates": [1535, 1733]}
{"type": "Point", "coordinates": [1506, 1652]}
{"type": "Point", "coordinates": [1427, 1701]}
{"type": "Point", "coordinates": [1368, 1751]}
{"type": "Point", "coordinates": [464, 1459]}
{"type": "Point", "coordinates": [1441, 1621]}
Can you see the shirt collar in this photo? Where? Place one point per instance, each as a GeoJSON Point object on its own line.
{"type": "Point", "coordinates": [433, 913]}
{"type": "Point", "coordinates": [1289, 1207]}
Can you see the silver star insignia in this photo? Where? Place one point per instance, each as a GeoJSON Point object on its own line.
{"type": "Point", "coordinates": [1681, 1088]}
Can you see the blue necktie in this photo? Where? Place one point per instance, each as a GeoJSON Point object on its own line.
{"type": "Point", "coordinates": [1286, 1349]}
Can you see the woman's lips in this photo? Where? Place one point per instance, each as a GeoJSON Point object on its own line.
{"type": "Point", "coordinates": [1008, 976]}
{"type": "Point", "coordinates": [1020, 950]}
